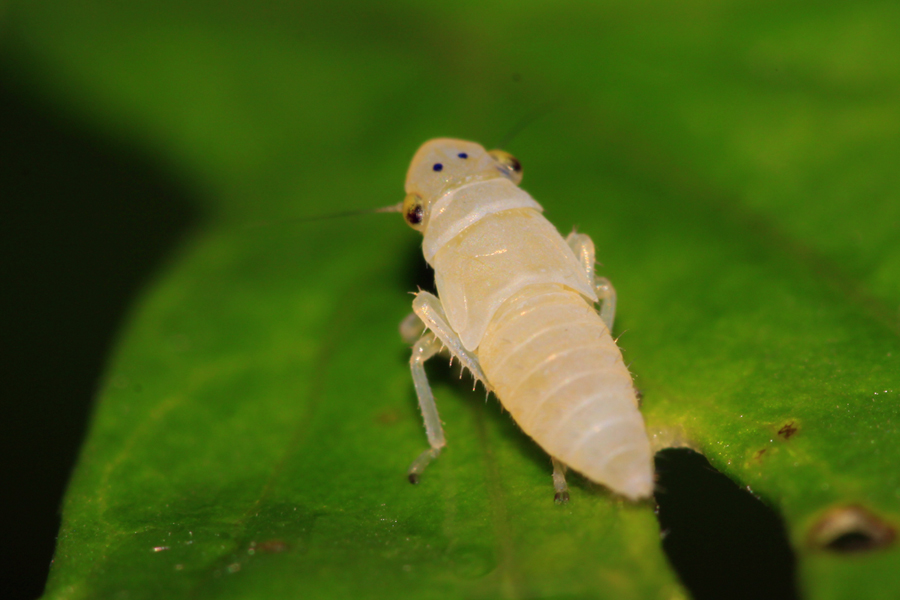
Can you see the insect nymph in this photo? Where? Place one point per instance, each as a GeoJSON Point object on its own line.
{"type": "Point", "coordinates": [516, 306]}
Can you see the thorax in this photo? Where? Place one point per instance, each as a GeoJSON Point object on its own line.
{"type": "Point", "coordinates": [485, 251]}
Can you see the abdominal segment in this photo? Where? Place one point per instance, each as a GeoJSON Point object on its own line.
{"type": "Point", "coordinates": [554, 365]}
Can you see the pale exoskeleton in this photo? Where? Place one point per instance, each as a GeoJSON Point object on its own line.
{"type": "Point", "coordinates": [516, 306]}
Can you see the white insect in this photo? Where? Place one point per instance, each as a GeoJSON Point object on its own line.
{"type": "Point", "coordinates": [517, 308]}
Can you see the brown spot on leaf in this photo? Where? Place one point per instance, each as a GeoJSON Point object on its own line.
{"type": "Point", "coordinates": [788, 429]}
{"type": "Point", "coordinates": [849, 529]}
{"type": "Point", "coordinates": [387, 417]}
{"type": "Point", "coordinates": [272, 546]}
{"type": "Point", "coordinates": [759, 454]}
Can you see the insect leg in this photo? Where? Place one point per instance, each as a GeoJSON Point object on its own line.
{"type": "Point", "coordinates": [429, 309]}
{"type": "Point", "coordinates": [411, 328]}
{"type": "Point", "coordinates": [583, 247]}
{"type": "Point", "coordinates": [427, 346]}
{"type": "Point", "coordinates": [607, 295]}
{"type": "Point", "coordinates": [559, 482]}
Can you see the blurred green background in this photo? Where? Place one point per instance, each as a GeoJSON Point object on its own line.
{"type": "Point", "coordinates": [735, 162]}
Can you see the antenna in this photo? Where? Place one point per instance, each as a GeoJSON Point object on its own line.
{"type": "Point", "coordinates": [393, 208]}
{"type": "Point", "coordinates": [529, 118]}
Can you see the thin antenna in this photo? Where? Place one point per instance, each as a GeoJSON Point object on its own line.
{"type": "Point", "coordinates": [528, 119]}
{"type": "Point", "coordinates": [394, 208]}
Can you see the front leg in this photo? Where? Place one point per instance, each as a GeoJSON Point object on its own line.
{"type": "Point", "coordinates": [583, 247]}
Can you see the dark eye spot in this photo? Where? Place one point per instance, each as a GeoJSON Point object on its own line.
{"type": "Point", "coordinates": [438, 167]}
{"type": "Point", "coordinates": [415, 214]}
{"type": "Point", "coordinates": [515, 164]}
{"type": "Point", "coordinates": [463, 155]}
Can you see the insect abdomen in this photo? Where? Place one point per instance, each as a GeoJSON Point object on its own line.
{"type": "Point", "coordinates": [553, 364]}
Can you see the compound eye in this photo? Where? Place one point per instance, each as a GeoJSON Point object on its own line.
{"type": "Point", "coordinates": [508, 164]}
{"type": "Point", "coordinates": [414, 211]}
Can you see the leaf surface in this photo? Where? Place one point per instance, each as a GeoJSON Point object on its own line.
{"type": "Point", "coordinates": [735, 164]}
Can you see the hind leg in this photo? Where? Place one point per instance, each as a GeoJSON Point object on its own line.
{"type": "Point", "coordinates": [427, 346]}
{"type": "Point", "coordinates": [429, 313]}
{"type": "Point", "coordinates": [559, 482]}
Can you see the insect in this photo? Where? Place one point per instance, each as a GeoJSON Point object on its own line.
{"type": "Point", "coordinates": [516, 306]}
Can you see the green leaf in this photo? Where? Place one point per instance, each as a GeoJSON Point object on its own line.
{"type": "Point", "coordinates": [735, 164]}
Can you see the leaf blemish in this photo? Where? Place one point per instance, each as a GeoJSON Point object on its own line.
{"type": "Point", "coordinates": [388, 417]}
{"type": "Point", "coordinates": [272, 546]}
{"type": "Point", "coordinates": [788, 430]}
{"type": "Point", "coordinates": [851, 529]}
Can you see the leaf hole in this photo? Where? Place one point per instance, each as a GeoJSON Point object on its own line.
{"type": "Point", "coordinates": [721, 539]}
{"type": "Point", "coordinates": [851, 529]}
